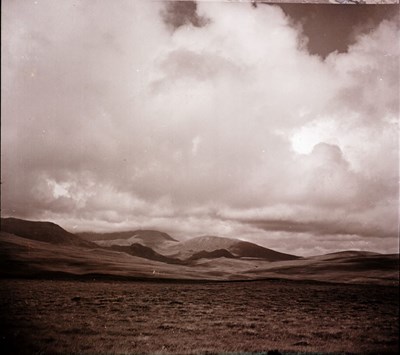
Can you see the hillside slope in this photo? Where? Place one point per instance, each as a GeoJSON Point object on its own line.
{"type": "Point", "coordinates": [43, 231]}
{"type": "Point", "coordinates": [142, 251]}
{"type": "Point", "coordinates": [22, 257]}
{"type": "Point", "coordinates": [149, 238]}
{"type": "Point", "coordinates": [236, 247]}
{"type": "Point", "coordinates": [43, 249]}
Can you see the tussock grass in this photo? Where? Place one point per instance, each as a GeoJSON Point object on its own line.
{"type": "Point", "coordinates": [66, 317]}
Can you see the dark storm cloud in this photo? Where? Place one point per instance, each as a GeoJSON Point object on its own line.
{"type": "Point", "coordinates": [181, 13]}
{"type": "Point", "coordinates": [320, 228]}
{"type": "Point", "coordinates": [330, 28]}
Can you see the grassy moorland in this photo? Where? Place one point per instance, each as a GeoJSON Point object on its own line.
{"type": "Point", "coordinates": [23, 257]}
{"type": "Point", "coordinates": [104, 317]}
{"type": "Point", "coordinates": [143, 292]}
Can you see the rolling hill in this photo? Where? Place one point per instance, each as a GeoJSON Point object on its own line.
{"type": "Point", "coordinates": [142, 251]}
{"type": "Point", "coordinates": [149, 238]}
{"type": "Point", "coordinates": [251, 250]}
{"type": "Point", "coordinates": [195, 248]}
{"type": "Point", "coordinates": [44, 249]}
{"type": "Point", "coordinates": [43, 231]}
{"type": "Point", "coordinates": [219, 253]}
{"type": "Point", "coordinates": [235, 247]}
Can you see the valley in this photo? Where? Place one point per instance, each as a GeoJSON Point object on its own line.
{"type": "Point", "coordinates": [143, 292]}
{"type": "Point", "coordinates": [43, 249]}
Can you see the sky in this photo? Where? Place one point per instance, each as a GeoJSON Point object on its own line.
{"type": "Point", "coordinates": [276, 125]}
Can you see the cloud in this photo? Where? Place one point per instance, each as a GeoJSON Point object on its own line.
{"type": "Point", "coordinates": [227, 127]}
{"type": "Point", "coordinates": [334, 29]}
{"type": "Point", "coordinates": [319, 228]}
{"type": "Point", "coordinates": [181, 13]}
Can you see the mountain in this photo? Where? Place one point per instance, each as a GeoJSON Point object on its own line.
{"type": "Point", "coordinates": [207, 243]}
{"type": "Point", "coordinates": [29, 258]}
{"type": "Point", "coordinates": [219, 253]}
{"type": "Point", "coordinates": [149, 238]}
{"type": "Point", "coordinates": [142, 251]}
{"type": "Point", "coordinates": [43, 231]}
{"type": "Point", "coordinates": [250, 250]}
{"type": "Point", "coordinates": [236, 247]}
{"type": "Point", "coordinates": [93, 237]}
{"type": "Point", "coordinates": [44, 249]}
{"type": "Point", "coordinates": [208, 247]}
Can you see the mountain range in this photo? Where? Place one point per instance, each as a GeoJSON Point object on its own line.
{"type": "Point", "coordinates": [44, 249]}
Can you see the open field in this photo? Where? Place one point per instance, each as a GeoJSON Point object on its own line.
{"type": "Point", "coordinates": [148, 293]}
{"type": "Point", "coordinates": [45, 316]}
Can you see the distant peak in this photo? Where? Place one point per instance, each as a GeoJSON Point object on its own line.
{"type": "Point", "coordinates": [214, 237]}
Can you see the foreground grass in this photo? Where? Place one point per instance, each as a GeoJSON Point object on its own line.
{"type": "Point", "coordinates": [44, 316]}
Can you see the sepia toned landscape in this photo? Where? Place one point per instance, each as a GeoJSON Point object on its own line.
{"type": "Point", "coordinates": [61, 293]}
{"type": "Point", "coordinates": [199, 177]}
{"type": "Point", "coordinates": [114, 317]}
{"type": "Point", "coordinates": [43, 249]}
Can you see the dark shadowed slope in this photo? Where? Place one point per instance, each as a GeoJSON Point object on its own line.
{"type": "Point", "coordinates": [219, 253]}
{"type": "Point", "coordinates": [346, 253]}
{"type": "Point", "coordinates": [238, 248]}
{"type": "Point", "coordinates": [43, 231]}
{"type": "Point", "coordinates": [149, 238]}
{"type": "Point", "coordinates": [92, 236]}
{"type": "Point", "coordinates": [31, 249]}
{"type": "Point", "coordinates": [208, 247]}
{"type": "Point", "coordinates": [371, 262]}
{"type": "Point", "coordinates": [22, 257]}
{"type": "Point", "coordinates": [142, 251]}
{"type": "Point", "coordinates": [363, 268]}
{"type": "Point", "coordinates": [250, 250]}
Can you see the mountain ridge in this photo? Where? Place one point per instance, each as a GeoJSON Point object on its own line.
{"type": "Point", "coordinates": [92, 236]}
{"type": "Point", "coordinates": [43, 248]}
{"type": "Point", "coordinates": [237, 247]}
{"type": "Point", "coordinates": [43, 231]}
